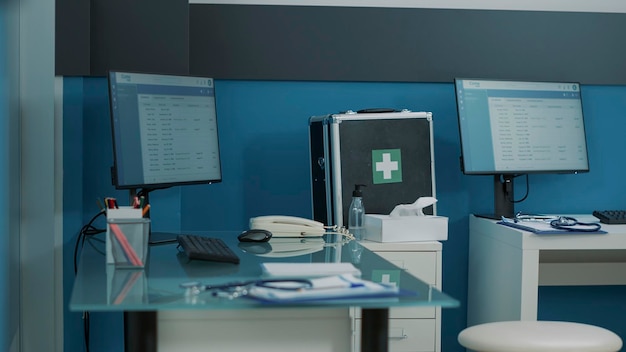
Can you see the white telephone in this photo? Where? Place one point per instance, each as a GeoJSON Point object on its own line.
{"type": "Point", "coordinates": [288, 226]}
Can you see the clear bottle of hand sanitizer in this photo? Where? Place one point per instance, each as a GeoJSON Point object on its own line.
{"type": "Point", "coordinates": [356, 213]}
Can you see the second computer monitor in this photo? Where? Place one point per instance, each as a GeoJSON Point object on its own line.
{"type": "Point", "coordinates": [515, 127]}
{"type": "Point", "coordinates": [512, 128]}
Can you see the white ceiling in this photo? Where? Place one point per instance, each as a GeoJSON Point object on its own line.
{"type": "Point", "coordinates": [528, 5]}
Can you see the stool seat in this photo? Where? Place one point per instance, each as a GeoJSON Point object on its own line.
{"type": "Point", "coordinates": [539, 336]}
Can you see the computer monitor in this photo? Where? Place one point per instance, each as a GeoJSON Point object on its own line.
{"type": "Point", "coordinates": [512, 128]}
{"type": "Point", "coordinates": [164, 130]}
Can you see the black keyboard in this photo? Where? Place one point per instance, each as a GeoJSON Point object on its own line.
{"type": "Point", "coordinates": [207, 248]}
{"type": "Point", "coordinates": [611, 216]}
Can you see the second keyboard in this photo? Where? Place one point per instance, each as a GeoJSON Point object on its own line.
{"type": "Point", "coordinates": [611, 216]}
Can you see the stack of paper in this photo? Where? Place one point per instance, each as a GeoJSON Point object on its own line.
{"type": "Point", "coordinates": [308, 269]}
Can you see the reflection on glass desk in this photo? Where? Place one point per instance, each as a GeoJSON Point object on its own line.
{"type": "Point", "coordinates": [157, 288]}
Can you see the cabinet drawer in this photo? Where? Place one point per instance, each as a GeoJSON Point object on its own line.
{"type": "Point", "coordinates": [420, 264]}
{"type": "Point", "coordinates": [406, 335]}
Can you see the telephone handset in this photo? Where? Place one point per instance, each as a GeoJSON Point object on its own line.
{"type": "Point", "coordinates": [288, 226]}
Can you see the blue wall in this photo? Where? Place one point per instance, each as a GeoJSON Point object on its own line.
{"type": "Point", "coordinates": [264, 142]}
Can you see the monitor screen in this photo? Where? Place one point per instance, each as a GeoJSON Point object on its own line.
{"type": "Point", "coordinates": [515, 127]}
{"type": "Point", "coordinates": [164, 130]}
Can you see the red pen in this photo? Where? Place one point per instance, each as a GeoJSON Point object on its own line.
{"type": "Point", "coordinates": [126, 247]}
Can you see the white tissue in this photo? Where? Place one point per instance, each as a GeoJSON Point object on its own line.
{"type": "Point", "coordinates": [415, 209]}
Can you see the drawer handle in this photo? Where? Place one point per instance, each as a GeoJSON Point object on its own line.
{"type": "Point", "coordinates": [401, 337]}
{"type": "Point", "coordinates": [399, 334]}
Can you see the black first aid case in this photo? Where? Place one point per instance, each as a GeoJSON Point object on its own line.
{"type": "Point", "coordinates": [390, 152]}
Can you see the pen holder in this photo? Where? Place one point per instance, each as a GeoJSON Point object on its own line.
{"type": "Point", "coordinates": [127, 240]}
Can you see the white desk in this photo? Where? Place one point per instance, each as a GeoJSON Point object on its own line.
{"type": "Point", "coordinates": [507, 265]}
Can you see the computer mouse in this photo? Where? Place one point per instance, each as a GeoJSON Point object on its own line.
{"type": "Point", "coordinates": [255, 235]}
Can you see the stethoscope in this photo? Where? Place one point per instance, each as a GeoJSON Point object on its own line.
{"type": "Point", "coordinates": [567, 223]}
{"type": "Point", "coordinates": [238, 289]}
{"type": "Point", "coordinates": [571, 224]}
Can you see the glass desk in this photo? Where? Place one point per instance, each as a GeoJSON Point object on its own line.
{"type": "Point", "coordinates": [142, 294]}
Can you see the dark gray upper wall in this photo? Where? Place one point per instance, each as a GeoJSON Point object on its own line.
{"type": "Point", "coordinates": [392, 44]}
{"type": "Point", "coordinates": [140, 35]}
{"type": "Point", "coordinates": [72, 37]}
{"type": "Point", "coordinates": [342, 43]}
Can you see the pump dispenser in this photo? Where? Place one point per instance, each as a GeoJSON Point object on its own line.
{"type": "Point", "coordinates": [356, 212]}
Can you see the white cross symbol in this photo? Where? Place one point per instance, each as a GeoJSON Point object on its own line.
{"type": "Point", "coordinates": [386, 166]}
{"type": "Point", "coordinates": [386, 279]}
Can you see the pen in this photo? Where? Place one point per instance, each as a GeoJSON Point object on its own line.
{"type": "Point", "coordinates": [531, 217]}
{"type": "Point", "coordinates": [126, 247]}
{"type": "Point", "coordinates": [145, 210]}
{"type": "Point", "coordinates": [99, 202]}
{"type": "Point", "coordinates": [111, 203]}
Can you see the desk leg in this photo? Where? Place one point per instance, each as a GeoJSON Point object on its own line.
{"type": "Point", "coordinates": [140, 331]}
{"type": "Point", "coordinates": [374, 330]}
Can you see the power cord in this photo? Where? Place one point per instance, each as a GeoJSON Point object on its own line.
{"type": "Point", "coordinates": [510, 196]}
{"type": "Point", "coordinates": [341, 231]}
{"type": "Point", "coordinates": [86, 231]}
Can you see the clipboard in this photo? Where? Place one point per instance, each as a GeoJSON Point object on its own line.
{"type": "Point", "coordinates": [544, 228]}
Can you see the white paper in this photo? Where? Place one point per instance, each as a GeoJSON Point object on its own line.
{"type": "Point", "coordinates": [333, 287]}
{"type": "Point", "coordinates": [308, 269]}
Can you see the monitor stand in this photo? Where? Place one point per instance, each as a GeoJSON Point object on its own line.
{"type": "Point", "coordinates": [154, 238]}
{"type": "Point", "coordinates": [502, 198]}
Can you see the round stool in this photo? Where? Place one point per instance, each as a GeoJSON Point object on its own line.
{"type": "Point", "coordinates": [539, 336]}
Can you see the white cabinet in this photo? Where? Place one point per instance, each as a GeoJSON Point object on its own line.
{"type": "Point", "coordinates": [517, 262]}
{"type": "Point", "coordinates": [410, 329]}
{"type": "Point", "coordinates": [258, 330]}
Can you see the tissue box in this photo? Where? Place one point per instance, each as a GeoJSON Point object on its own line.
{"type": "Point", "coordinates": [383, 228]}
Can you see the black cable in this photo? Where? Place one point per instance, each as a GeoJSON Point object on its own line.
{"type": "Point", "coordinates": [145, 191]}
{"type": "Point", "coordinates": [86, 231]}
{"type": "Point", "coordinates": [510, 196]}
